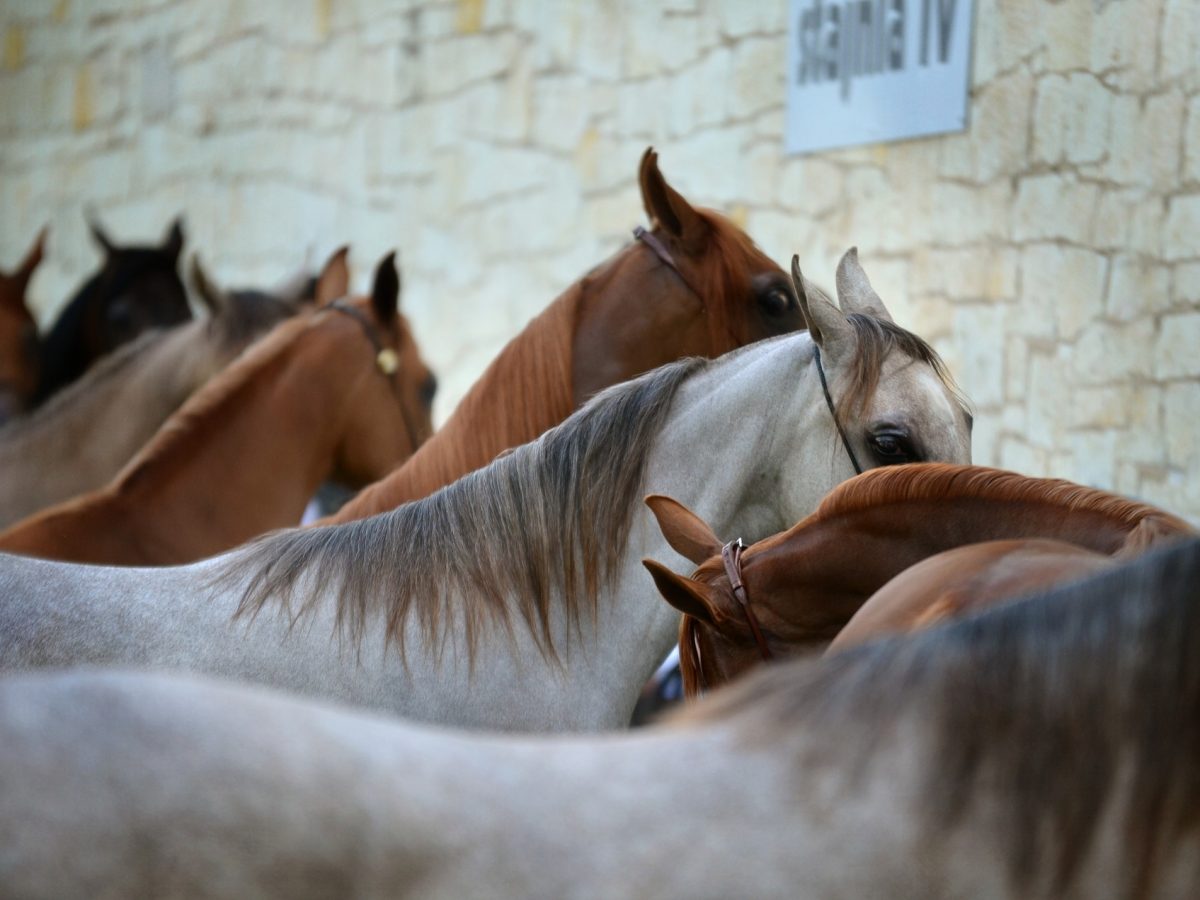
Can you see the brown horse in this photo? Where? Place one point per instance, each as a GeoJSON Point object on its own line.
{"type": "Point", "coordinates": [19, 348]}
{"type": "Point", "coordinates": [136, 289]}
{"type": "Point", "coordinates": [340, 392]}
{"type": "Point", "coordinates": [804, 584]}
{"type": "Point", "coordinates": [965, 580]}
{"type": "Point", "coordinates": [695, 285]}
{"type": "Point", "coordinates": [81, 438]}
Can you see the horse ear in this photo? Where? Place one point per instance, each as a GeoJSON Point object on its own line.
{"type": "Point", "coordinates": [826, 323]}
{"type": "Point", "coordinates": [667, 208]}
{"type": "Point", "coordinates": [854, 290]}
{"type": "Point", "coordinates": [209, 294]}
{"type": "Point", "coordinates": [692, 598]}
{"type": "Point", "coordinates": [99, 236]}
{"type": "Point", "coordinates": [334, 281]}
{"type": "Point", "coordinates": [686, 532]}
{"type": "Point", "coordinates": [173, 243]}
{"type": "Point", "coordinates": [385, 292]}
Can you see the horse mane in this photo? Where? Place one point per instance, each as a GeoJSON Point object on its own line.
{"type": "Point", "coordinates": [720, 275]}
{"type": "Point", "coordinates": [179, 432]}
{"type": "Point", "coordinates": [1049, 702]}
{"type": "Point", "coordinates": [554, 513]}
{"type": "Point", "coordinates": [947, 481]}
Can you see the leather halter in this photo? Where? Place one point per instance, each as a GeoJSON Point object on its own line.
{"type": "Point", "coordinates": [387, 360]}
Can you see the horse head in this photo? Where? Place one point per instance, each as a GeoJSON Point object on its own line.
{"type": "Point", "coordinates": [138, 289]}
{"type": "Point", "coordinates": [695, 279]}
{"type": "Point", "coordinates": [19, 361]}
{"type": "Point", "coordinates": [892, 402]}
{"type": "Point", "coordinates": [390, 416]}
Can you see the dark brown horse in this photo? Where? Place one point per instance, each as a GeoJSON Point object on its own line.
{"type": "Point", "coordinates": [696, 285]}
{"type": "Point", "coordinates": [136, 288]}
{"type": "Point", "coordinates": [804, 584]}
{"type": "Point", "coordinates": [18, 336]}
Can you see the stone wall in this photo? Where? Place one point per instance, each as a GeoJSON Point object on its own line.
{"type": "Point", "coordinates": [1052, 251]}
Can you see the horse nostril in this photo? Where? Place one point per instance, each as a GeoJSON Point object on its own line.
{"type": "Point", "coordinates": [428, 389]}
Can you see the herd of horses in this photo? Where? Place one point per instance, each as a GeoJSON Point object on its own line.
{"type": "Point", "coordinates": [948, 680]}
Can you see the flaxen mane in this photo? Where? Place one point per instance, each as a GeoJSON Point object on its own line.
{"type": "Point", "coordinates": [551, 515]}
{"type": "Point", "coordinates": [1043, 706]}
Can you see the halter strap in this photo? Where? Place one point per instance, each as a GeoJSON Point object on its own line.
{"type": "Point", "coordinates": [833, 412]}
{"type": "Point", "coordinates": [386, 359]}
{"type": "Point", "coordinates": [731, 555]}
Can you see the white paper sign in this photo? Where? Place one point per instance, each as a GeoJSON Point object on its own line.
{"type": "Point", "coordinates": [862, 71]}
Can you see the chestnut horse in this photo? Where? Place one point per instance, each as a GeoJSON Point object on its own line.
{"type": "Point", "coordinates": [136, 289]}
{"type": "Point", "coordinates": [695, 285]}
{"type": "Point", "coordinates": [340, 393]}
{"type": "Point", "coordinates": [514, 597]}
{"type": "Point", "coordinates": [19, 347]}
{"type": "Point", "coordinates": [1046, 749]}
{"type": "Point", "coordinates": [804, 584]}
{"type": "Point", "coordinates": [966, 580]}
{"type": "Point", "coordinates": [81, 439]}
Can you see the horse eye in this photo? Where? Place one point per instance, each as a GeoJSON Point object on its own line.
{"type": "Point", "coordinates": [892, 449]}
{"type": "Point", "coordinates": [776, 301]}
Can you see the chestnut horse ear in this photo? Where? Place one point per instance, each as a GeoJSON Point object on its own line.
{"type": "Point", "coordinates": [385, 292]}
{"type": "Point", "coordinates": [692, 598]}
{"type": "Point", "coordinates": [666, 207]}
{"type": "Point", "coordinates": [854, 290]}
{"type": "Point", "coordinates": [827, 325]}
{"type": "Point", "coordinates": [208, 293]}
{"type": "Point", "coordinates": [173, 243]}
{"type": "Point", "coordinates": [686, 532]}
{"type": "Point", "coordinates": [98, 234]}
{"type": "Point", "coordinates": [334, 281]}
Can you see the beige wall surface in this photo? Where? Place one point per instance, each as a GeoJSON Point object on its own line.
{"type": "Point", "coordinates": [1052, 252]}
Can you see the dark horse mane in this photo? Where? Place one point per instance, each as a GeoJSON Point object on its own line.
{"type": "Point", "coordinates": [1057, 705]}
{"type": "Point", "coordinates": [63, 356]}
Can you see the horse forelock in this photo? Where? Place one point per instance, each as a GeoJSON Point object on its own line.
{"type": "Point", "coordinates": [722, 276]}
{"type": "Point", "coordinates": [553, 515]}
{"type": "Point", "coordinates": [947, 481]}
{"type": "Point", "coordinates": [876, 340]}
{"type": "Point", "coordinates": [1053, 708]}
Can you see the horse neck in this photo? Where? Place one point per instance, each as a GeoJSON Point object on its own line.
{"type": "Point", "coordinates": [524, 392]}
{"type": "Point", "coordinates": [859, 551]}
{"type": "Point", "coordinates": [267, 474]}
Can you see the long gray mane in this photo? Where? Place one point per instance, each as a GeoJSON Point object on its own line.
{"type": "Point", "coordinates": [551, 515]}
{"type": "Point", "coordinates": [1037, 704]}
